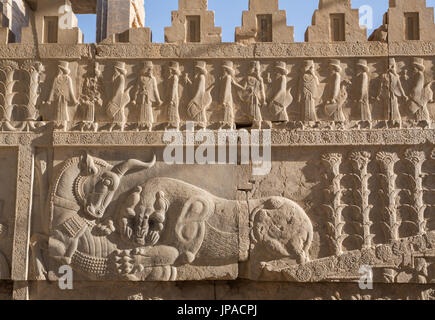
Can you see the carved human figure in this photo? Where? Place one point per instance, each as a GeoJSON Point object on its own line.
{"type": "Point", "coordinates": [335, 68]}
{"type": "Point", "coordinates": [254, 94]}
{"type": "Point", "coordinates": [62, 93]}
{"type": "Point", "coordinates": [335, 111]}
{"type": "Point", "coordinates": [197, 108]}
{"type": "Point", "coordinates": [338, 93]}
{"type": "Point", "coordinates": [308, 86]}
{"type": "Point", "coordinates": [391, 90]}
{"type": "Point", "coordinates": [362, 89]}
{"type": "Point", "coordinates": [420, 94]}
{"type": "Point", "coordinates": [91, 96]}
{"type": "Point", "coordinates": [146, 94]}
{"type": "Point", "coordinates": [228, 80]}
{"type": "Point", "coordinates": [282, 98]}
{"type": "Point", "coordinates": [173, 115]}
{"type": "Point", "coordinates": [120, 97]}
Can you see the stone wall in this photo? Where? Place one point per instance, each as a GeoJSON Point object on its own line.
{"type": "Point", "coordinates": [117, 16]}
{"type": "Point", "coordinates": [89, 135]}
{"type": "Point", "coordinates": [16, 17]}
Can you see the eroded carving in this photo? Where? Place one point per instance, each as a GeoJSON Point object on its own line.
{"type": "Point", "coordinates": [363, 97]}
{"type": "Point", "coordinates": [421, 93]}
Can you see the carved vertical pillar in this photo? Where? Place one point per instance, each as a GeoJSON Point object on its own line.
{"type": "Point", "coordinates": [360, 162]}
{"type": "Point", "coordinates": [415, 160]}
{"type": "Point", "coordinates": [389, 193]}
{"type": "Point", "coordinates": [334, 206]}
{"type": "Point", "coordinates": [20, 253]}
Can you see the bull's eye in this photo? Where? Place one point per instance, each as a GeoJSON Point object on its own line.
{"type": "Point", "coordinates": [108, 182]}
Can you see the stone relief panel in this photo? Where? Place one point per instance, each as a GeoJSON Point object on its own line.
{"type": "Point", "coordinates": [157, 95]}
{"type": "Point", "coordinates": [107, 226]}
{"type": "Point", "coordinates": [352, 184]}
{"type": "Point", "coordinates": [376, 210]}
{"type": "Point", "coordinates": [145, 221]}
{"type": "Point", "coordinates": [295, 93]}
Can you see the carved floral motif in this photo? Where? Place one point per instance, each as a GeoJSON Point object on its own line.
{"type": "Point", "coordinates": [360, 162]}
{"type": "Point", "coordinates": [334, 205]}
{"type": "Point", "coordinates": [389, 193]}
{"type": "Point", "coordinates": [415, 160]}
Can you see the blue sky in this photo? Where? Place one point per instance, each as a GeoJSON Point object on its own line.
{"type": "Point", "coordinates": [229, 15]}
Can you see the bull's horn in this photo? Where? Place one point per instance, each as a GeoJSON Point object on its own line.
{"type": "Point", "coordinates": [124, 167]}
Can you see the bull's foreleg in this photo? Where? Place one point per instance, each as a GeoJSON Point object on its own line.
{"type": "Point", "coordinates": [72, 248]}
{"type": "Point", "coordinates": [39, 248]}
{"type": "Point", "coordinates": [63, 248]}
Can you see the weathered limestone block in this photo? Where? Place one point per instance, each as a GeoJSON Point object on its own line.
{"type": "Point", "coordinates": [14, 17]}
{"type": "Point", "coordinates": [122, 21]}
{"type": "Point", "coordinates": [410, 20]}
{"type": "Point", "coordinates": [136, 36]}
{"type": "Point", "coordinates": [6, 35]}
{"type": "Point", "coordinates": [193, 23]}
{"type": "Point", "coordinates": [335, 20]}
{"type": "Point", "coordinates": [264, 22]}
{"type": "Point", "coordinates": [54, 23]}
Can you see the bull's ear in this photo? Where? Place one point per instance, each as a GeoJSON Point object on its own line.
{"type": "Point", "coordinates": [87, 165]}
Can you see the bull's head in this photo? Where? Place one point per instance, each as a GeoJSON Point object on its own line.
{"type": "Point", "coordinates": [97, 184]}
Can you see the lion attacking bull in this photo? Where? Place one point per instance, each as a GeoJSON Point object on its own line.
{"type": "Point", "coordinates": [149, 232]}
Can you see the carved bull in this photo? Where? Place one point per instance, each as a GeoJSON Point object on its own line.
{"type": "Point", "coordinates": [160, 225]}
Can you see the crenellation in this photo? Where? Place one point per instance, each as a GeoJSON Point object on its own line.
{"type": "Point", "coordinates": [193, 23]}
{"type": "Point", "coordinates": [410, 20]}
{"type": "Point", "coordinates": [264, 22]}
{"type": "Point", "coordinates": [335, 21]}
{"type": "Point", "coordinates": [52, 22]}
